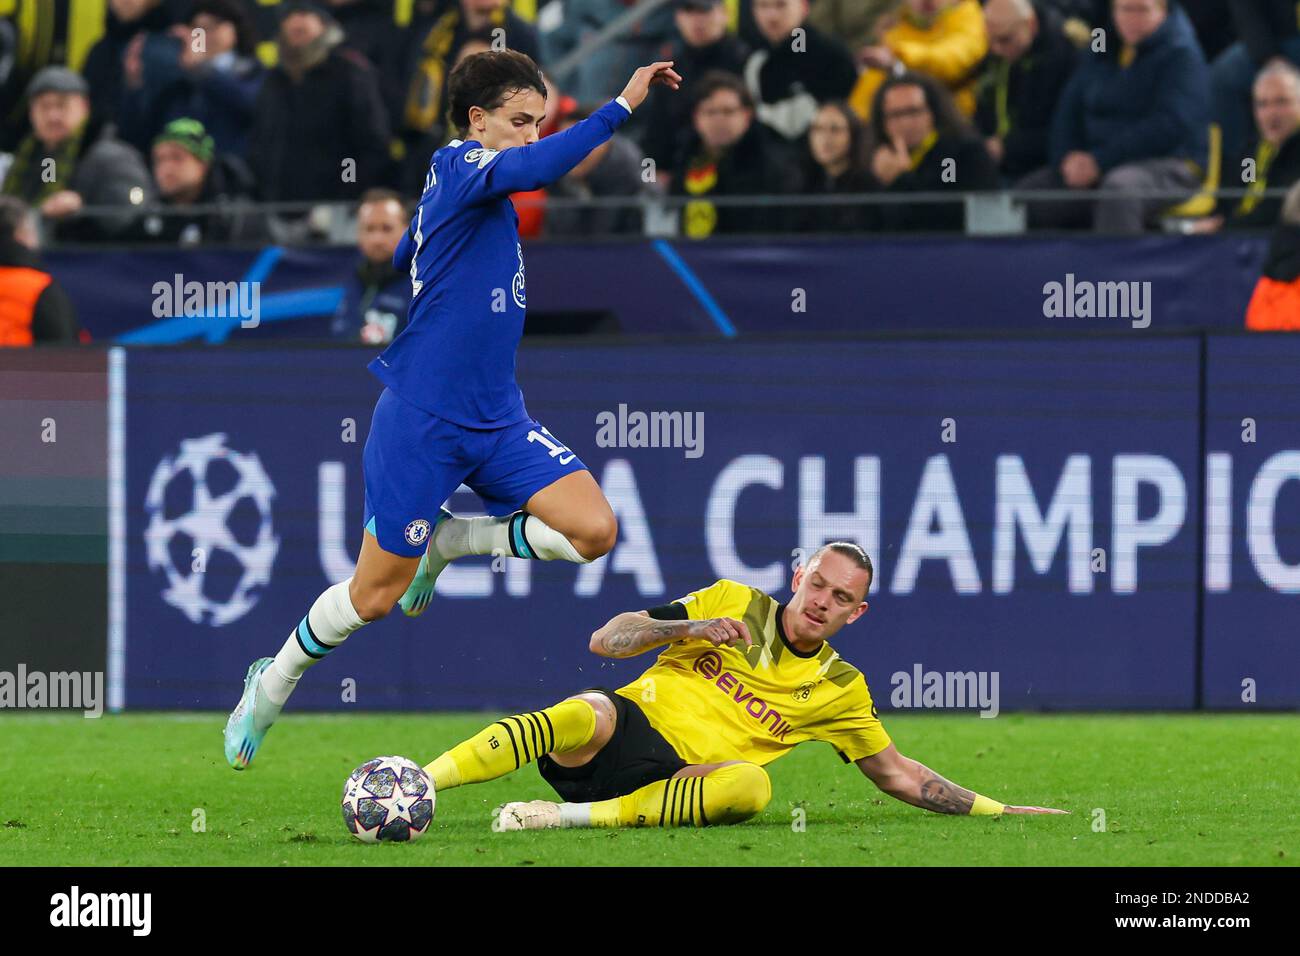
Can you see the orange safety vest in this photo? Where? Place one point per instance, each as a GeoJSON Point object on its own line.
{"type": "Point", "coordinates": [1274, 306]}
{"type": "Point", "coordinates": [20, 288]}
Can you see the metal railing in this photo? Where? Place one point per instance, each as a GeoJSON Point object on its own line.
{"type": "Point", "coordinates": [985, 213]}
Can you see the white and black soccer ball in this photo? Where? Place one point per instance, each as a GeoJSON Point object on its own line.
{"type": "Point", "coordinates": [388, 799]}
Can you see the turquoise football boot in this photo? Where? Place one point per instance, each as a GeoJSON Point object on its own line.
{"type": "Point", "coordinates": [420, 592]}
{"type": "Point", "coordinates": [242, 736]}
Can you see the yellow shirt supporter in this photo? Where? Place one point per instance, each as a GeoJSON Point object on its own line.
{"type": "Point", "coordinates": [736, 703]}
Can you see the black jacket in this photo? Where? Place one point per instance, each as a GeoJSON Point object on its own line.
{"type": "Point", "coordinates": [1283, 172]}
{"type": "Point", "coordinates": [230, 185]}
{"type": "Point", "coordinates": [1157, 107]}
{"type": "Point", "coordinates": [973, 170]}
{"type": "Point", "coordinates": [1033, 86]}
{"type": "Point", "coordinates": [788, 84]}
{"type": "Point", "coordinates": [304, 131]}
{"type": "Point", "coordinates": [103, 67]}
{"type": "Point", "coordinates": [668, 125]}
{"type": "Point", "coordinates": [840, 218]}
{"type": "Point", "coordinates": [1282, 263]}
{"type": "Point", "coordinates": [1263, 24]}
{"type": "Point", "coordinates": [758, 164]}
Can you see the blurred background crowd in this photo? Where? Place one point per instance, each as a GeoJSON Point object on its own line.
{"type": "Point", "coordinates": [201, 121]}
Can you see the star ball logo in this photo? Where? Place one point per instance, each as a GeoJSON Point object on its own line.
{"type": "Point", "coordinates": [210, 536]}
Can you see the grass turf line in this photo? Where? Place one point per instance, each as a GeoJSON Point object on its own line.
{"type": "Point", "coordinates": [1176, 790]}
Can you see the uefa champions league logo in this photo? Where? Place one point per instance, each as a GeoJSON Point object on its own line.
{"type": "Point", "coordinates": [209, 532]}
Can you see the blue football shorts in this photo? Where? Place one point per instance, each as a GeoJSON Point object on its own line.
{"type": "Point", "coordinates": [414, 461]}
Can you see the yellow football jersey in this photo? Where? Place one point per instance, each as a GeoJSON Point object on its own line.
{"type": "Point", "coordinates": [736, 703]}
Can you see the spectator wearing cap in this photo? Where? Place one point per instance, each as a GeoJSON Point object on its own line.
{"type": "Point", "coordinates": [1268, 30]}
{"type": "Point", "coordinates": [794, 71]}
{"type": "Point", "coordinates": [376, 296]}
{"type": "Point", "coordinates": [920, 143]}
{"type": "Point", "coordinates": [1275, 304]}
{"type": "Point", "coordinates": [1030, 60]}
{"type": "Point", "coordinates": [437, 42]}
{"type": "Point", "coordinates": [106, 66]}
{"type": "Point", "coordinates": [836, 162]}
{"type": "Point", "coordinates": [33, 306]}
{"type": "Point", "coordinates": [858, 23]}
{"type": "Point", "coordinates": [189, 172]}
{"type": "Point", "coordinates": [32, 37]}
{"type": "Point", "coordinates": [702, 44]}
{"type": "Point", "coordinates": [612, 169]}
{"type": "Point", "coordinates": [204, 69]}
{"type": "Point", "coordinates": [1272, 160]}
{"type": "Point", "coordinates": [1133, 120]}
{"type": "Point", "coordinates": [320, 131]}
{"type": "Point", "coordinates": [730, 154]}
{"type": "Point", "coordinates": [70, 161]}
{"type": "Point", "coordinates": [944, 39]}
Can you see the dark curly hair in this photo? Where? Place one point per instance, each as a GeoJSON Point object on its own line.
{"type": "Point", "coordinates": [487, 79]}
{"type": "Point", "coordinates": [948, 121]}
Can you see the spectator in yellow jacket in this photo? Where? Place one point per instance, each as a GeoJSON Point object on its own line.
{"type": "Point", "coordinates": [944, 39]}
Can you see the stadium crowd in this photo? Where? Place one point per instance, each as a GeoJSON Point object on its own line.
{"type": "Point", "coordinates": [221, 102]}
{"type": "Point", "coordinates": [178, 117]}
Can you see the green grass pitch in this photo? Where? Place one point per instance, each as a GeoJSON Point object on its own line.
{"type": "Point", "coordinates": [1175, 789]}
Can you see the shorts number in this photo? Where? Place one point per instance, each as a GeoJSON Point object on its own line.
{"type": "Point", "coordinates": [558, 450]}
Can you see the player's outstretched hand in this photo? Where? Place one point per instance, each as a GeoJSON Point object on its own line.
{"type": "Point", "coordinates": [1033, 810]}
{"type": "Point", "coordinates": [660, 72]}
{"type": "Point", "coordinates": [723, 630]}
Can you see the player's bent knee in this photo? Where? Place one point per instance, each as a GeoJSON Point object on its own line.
{"type": "Point", "coordinates": [598, 537]}
{"type": "Point", "coordinates": [371, 612]}
{"type": "Point", "coordinates": [746, 790]}
{"type": "Point", "coordinates": [371, 604]}
{"type": "Point", "coordinates": [606, 716]}
{"type": "Point", "coordinates": [569, 755]}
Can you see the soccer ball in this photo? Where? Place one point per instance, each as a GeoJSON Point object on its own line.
{"type": "Point", "coordinates": [388, 799]}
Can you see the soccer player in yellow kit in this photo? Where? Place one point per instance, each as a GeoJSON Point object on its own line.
{"type": "Point", "coordinates": [742, 679]}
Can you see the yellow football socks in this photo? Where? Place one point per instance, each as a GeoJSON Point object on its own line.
{"type": "Point", "coordinates": [511, 742]}
{"type": "Point", "coordinates": [727, 794]}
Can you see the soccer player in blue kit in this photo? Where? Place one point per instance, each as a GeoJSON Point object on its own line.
{"type": "Point", "coordinates": [451, 412]}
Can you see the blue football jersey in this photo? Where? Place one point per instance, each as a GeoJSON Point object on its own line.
{"type": "Point", "coordinates": [456, 356]}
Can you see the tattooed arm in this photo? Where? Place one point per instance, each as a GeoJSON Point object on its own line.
{"type": "Point", "coordinates": [633, 632]}
{"type": "Point", "coordinates": [912, 782]}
